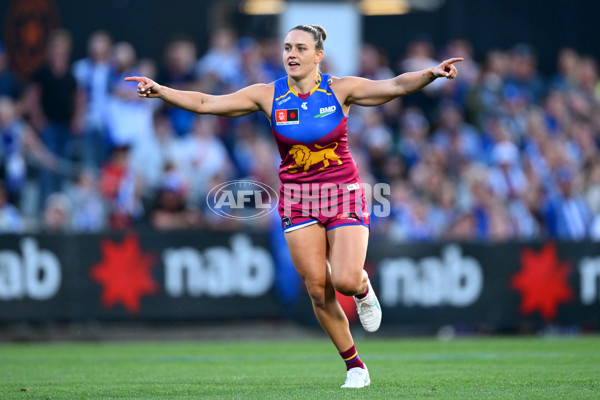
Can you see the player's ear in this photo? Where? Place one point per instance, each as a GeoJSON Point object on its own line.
{"type": "Point", "coordinates": [319, 56]}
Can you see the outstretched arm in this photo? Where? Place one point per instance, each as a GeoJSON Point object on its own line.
{"type": "Point", "coordinates": [242, 102]}
{"type": "Point", "coordinates": [366, 92]}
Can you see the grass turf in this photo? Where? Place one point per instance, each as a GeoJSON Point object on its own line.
{"type": "Point", "coordinates": [482, 368]}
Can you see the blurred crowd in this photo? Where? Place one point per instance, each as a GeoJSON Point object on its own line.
{"type": "Point", "coordinates": [502, 152]}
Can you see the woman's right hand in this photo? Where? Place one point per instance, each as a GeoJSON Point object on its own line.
{"type": "Point", "coordinates": [146, 86]}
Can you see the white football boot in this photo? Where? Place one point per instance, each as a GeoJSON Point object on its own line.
{"type": "Point", "coordinates": [369, 310]}
{"type": "Point", "coordinates": [357, 378]}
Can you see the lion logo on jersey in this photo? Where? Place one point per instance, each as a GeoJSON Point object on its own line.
{"type": "Point", "coordinates": [304, 157]}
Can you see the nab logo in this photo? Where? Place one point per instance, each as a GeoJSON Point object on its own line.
{"type": "Point", "coordinates": [36, 273]}
{"type": "Point", "coordinates": [325, 111]}
{"type": "Point", "coordinates": [242, 199]}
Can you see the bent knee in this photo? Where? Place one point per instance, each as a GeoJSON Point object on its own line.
{"type": "Point", "coordinates": [348, 286]}
{"type": "Point", "coordinates": [316, 294]}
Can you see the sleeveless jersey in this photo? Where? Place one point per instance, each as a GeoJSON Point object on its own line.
{"type": "Point", "coordinates": [311, 134]}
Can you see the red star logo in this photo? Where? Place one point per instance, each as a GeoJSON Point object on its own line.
{"type": "Point", "coordinates": [292, 115]}
{"type": "Point", "coordinates": [124, 274]}
{"type": "Point", "coordinates": [542, 282]}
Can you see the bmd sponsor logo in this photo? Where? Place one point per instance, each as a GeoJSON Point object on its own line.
{"type": "Point", "coordinates": [325, 111]}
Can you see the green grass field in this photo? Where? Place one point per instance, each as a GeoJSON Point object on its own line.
{"type": "Point", "coordinates": [476, 368]}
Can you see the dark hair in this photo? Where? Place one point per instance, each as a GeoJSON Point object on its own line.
{"type": "Point", "coordinates": [317, 31]}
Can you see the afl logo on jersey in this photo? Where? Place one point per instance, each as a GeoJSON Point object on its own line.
{"type": "Point", "coordinates": [287, 117]}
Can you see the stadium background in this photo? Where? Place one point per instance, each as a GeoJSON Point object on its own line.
{"type": "Point", "coordinates": [463, 250]}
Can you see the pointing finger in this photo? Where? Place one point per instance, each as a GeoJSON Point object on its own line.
{"type": "Point", "coordinates": [453, 60]}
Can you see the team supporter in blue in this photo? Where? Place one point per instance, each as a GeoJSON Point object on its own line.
{"type": "Point", "coordinates": [308, 112]}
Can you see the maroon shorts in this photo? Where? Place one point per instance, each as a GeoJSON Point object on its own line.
{"type": "Point", "coordinates": [330, 205]}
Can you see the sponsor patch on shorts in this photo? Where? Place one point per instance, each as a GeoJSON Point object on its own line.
{"type": "Point", "coordinates": [348, 216]}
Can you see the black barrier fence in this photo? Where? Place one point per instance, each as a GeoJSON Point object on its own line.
{"type": "Point", "coordinates": [208, 276]}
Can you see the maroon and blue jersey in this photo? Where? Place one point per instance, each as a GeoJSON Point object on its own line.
{"type": "Point", "coordinates": [311, 134]}
{"type": "Point", "coordinates": [319, 177]}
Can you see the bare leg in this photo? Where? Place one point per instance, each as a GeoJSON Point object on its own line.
{"type": "Point", "coordinates": [308, 248]}
{"type": "Point", "coordinates": [348, 251]}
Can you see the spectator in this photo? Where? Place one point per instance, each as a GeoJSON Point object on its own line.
{"type": "Point", "coordinates": [55, 106]}
{"type": "Point", "coordinates": [222, 62]}
{"type": "Point", "coordinates": [581, 143]}
{"type": "Point", "coordinates": [592, 185]}
{"type": "Point", "coordinates": [129, 117]}
{"type": "Point", "coordinates": [201, 155]}
{"type": "Point", "coordinates": [420, 54]}
{"type": "Point", "coordinates": [149, 157]}
{"type": "Point", "coordinates": [171, 211]}
{"type": "Point", "coordinates": [414, 135]}
{"type": "Point", "coordinates": [418, 220]}
{"type": "Point", "coordinates": [587, 74]}
{"type": "Point", "coordinates": [445, 209]}
{"type": "Point", "coordinates": [506, 178]}
{"type": "Point", "coordinates": [254, 70]}
{"type": "Point", "coordinates": [565, 78]}
{"type": "Point", "coordinates": [523, 75]}
{"type": "Point", "coordinates": [9, 85]}
{"type": "Point", "coordinates": [458, 140]}
{"type": "Point", "coordinates": [485, 96]}
{"type": "Point", "coordinates": [10, 217]}
{"type": "Point", "coordinates": [499, 119]}
{"type": "Point", "coordinates": [373, 64]}
{"type": "Point", "coordinates": [401, 197]}
{"type": "Point", "coordinates": [92, 74]}
{"type": "Point", "coordinates": [255, 156]}
{"type": "Point", "coordinates": [120, 187]}
{"type": "Point", "coordinates": [57, 213]}
{"type": "Point", "coordinates": [456, 90]}
{"type": "Point", "coordinates": [88, 208]}
{"type": "Point", "coordinates": [490, 216]}
{"type": "Point", "coordinates": [270, 49]}
{"type": "Point", "coordinates": [463, 227]}
{"type": "Point", "coordinates": [566, 214]}
{"type": "Point", "coordinates": [376, 139]}
{"type": "Point", "coordinates": [525, 215]}
{"type": "Point", "coordinates": [19, 146]}
{"type": "Point", "coordinates": [179, 72]}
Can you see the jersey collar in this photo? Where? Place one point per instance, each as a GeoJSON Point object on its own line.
{"type": "Point", "coordinates": [297, 94]}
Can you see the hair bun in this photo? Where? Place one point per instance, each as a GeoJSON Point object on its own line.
{"type": "Point", "coordinates": [321, 31]}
